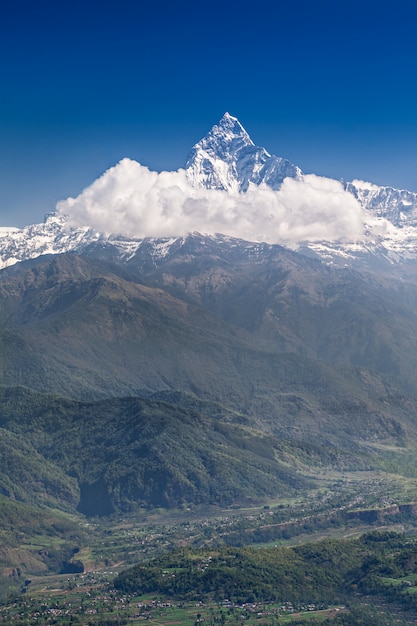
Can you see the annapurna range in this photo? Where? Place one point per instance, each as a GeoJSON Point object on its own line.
{"type": "Point", "coordinates": [226, 160]}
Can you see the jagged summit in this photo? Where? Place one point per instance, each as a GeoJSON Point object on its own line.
{"type": "Point", "coordinates": [226, 158]}
{"type": "Point", "coordinates": [232, 123]}
{"type": "Point", "coordinates": [226, 139]}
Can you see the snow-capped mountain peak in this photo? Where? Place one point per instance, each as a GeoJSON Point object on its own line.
{"type": "Point", "coordinates": [226, 138]}
{"type": "Point", "coordinates": [226, 158]}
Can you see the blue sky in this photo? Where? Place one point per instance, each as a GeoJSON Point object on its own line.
{"type": "Point", "coordinates": [330, 85]}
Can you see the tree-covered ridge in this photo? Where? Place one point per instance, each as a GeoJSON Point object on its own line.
{"type": "Point", "coordinates": [123, 453]}
{"type": "Point", "coordinates": [293, 346]}
{"type": "Point", "coordinates": [365, 581]}
{"type": "Point", "coordinates": [325, 572]}
{"type": "Point", "coordinates": [162, 450]}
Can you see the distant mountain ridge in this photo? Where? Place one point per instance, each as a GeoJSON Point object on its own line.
{"type": "Point", "coordinates": [227, 159]}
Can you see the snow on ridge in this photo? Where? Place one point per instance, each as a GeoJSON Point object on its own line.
{"type": "Point", "coordinates": [226, 159]}
{"type": "Point", "coordinates": [8, 230]}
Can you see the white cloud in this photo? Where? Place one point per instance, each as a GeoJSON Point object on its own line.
{"type": "Point", "coordinates": [131, 200]}
{"type": "Point", "coordinates": [363, 184]}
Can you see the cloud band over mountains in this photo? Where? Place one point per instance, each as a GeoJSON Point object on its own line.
{"type": "Point", "coordinates": [131, 200]}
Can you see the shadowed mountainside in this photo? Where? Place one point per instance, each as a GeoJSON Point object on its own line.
{"type": "Point", "coordinates": [86, 329]}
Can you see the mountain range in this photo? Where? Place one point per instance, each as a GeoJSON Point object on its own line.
{"type": "Point", "coordinates": [226, 159]}
{"type": "Point", "coordinates": [141, 385]}
{"type": "Point", "coordinates": [205, 369]}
